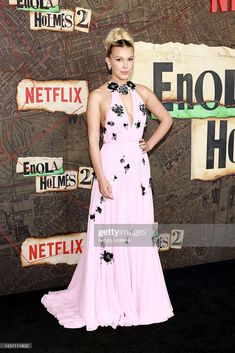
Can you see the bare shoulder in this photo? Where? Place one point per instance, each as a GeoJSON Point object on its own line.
{"type": "Point", "coordinates": [98, 94]}
{"type": "Point", "coordinates": [99, 91]}
{"type": "Point", "coordinates": [144, 91]}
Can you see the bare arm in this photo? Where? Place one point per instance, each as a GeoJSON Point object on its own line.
{"type": "Point", "coordinates": [154, 105]}
{"type": "Point", "coordinates": [93, 124]}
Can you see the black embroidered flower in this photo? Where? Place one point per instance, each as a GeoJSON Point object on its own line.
{"type": "Point", "coordinates": [114, 177]}
{"type": "Point", "coordinates": [102, 199]}
{"type": "Point", "coordinates": [143, 108]}
{"type": "Point", "coordinates": [112, 86]}
{"type": "Point", "coordinates": [114, 136]}
{"type": "Point", "coordinates": [92, 216]}
{"type": "Point", "coordinates": [143, 160]}
{"type": "Point", "coordinates": [102, 244]}
{"type": "Point", "coordinates": [143, 190]}
{"type": "Point", "coordinates": [125, 125]}
{"type": "Point", "coordinates": [111, 123]}
{"type": "Point", "coordinates": [126, 167]}
{"type": "Point", "coordinates": [122, 160]}
{"type": "Point", "coordinates": [123, 89]}
{"type": "Point", "coordinates": [130, 84]}
{"type": "Point", "coordinates": [127, 241]}
{"type": "Point", "coordinates": [137, 124]}
{"type": "Point", "coordinates": [98, 209]}
{"type": "Point", "coordinates": [118, 109]}
{"type": "Point", "coordinates": [107, 256]}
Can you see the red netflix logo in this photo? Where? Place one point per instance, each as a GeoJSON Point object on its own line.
{"type": "Point", "coordinates": [222, 5]}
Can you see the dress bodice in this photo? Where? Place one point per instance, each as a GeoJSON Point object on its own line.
{"type": "Point", "coordinates": [118, 128]}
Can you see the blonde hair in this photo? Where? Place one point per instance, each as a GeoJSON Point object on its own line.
{"type": "Point", "coordinates": [118, 37]}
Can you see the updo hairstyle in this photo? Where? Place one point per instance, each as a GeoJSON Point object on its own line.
{"type": "Point", "coordinates": [117, 37]}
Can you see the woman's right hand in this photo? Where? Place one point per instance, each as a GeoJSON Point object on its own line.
{"type": "Point", "coordinates": [105, 188]}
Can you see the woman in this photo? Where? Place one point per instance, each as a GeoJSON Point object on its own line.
{"type": "Point", "coordinates": [112, 284]}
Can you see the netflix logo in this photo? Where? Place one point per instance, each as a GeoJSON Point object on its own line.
{"type": "Point", "coordinates": [222, 5]}
{"type": "Point", "coordinates": [69, 96]}
{"type": "Point", "coordinates": [65, 248]}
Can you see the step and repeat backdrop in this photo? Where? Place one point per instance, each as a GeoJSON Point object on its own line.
{"type": "Point", "coordinates": [52, 55]}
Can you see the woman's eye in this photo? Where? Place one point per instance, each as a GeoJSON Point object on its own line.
{"type": "Point", "coordinates": [131, 59]}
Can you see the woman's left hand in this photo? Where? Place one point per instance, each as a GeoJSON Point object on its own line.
{"type": "Point", "coordinates": [144, 146]}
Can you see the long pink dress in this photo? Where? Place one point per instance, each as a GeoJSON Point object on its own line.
{"type": "Point", "coordinates": [129, 289]}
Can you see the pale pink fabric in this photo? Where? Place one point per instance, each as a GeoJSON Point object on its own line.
{"type": "Point", "coordinates": [131, 290]}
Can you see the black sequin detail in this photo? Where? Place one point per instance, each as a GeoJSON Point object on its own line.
{"type": "Point", "coordinates": [126, 167]}
{"type": "Point", "coordinates": [118, 109]}
{"type": "Point", "coordinates": [122, 160]}
{"type": "Point", "coordinates": [107, 256]}
{"type": "Point", "coordinates": [137, 124]}
{"type": "Point", "coordinates": [143, 190]}
{"type": "Point", "coordinates": [114, 136]}
{"type": "Point", "coordinates": [92, 216]}
{"type": "Point", "coordinates": [98, 209]}
{"type": "Point", "coordinates": [143, 109]}
{"type": "Point", "coordinates": [123, 89]}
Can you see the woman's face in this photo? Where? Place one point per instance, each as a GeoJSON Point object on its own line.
{"type": "Point", "coordinates": [121, 61]}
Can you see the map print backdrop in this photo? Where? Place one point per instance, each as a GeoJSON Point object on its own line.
{"type": "Point", "coordinates": [45, 169]}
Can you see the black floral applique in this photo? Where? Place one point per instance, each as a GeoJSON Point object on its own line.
{"type": "Point", "coordinates": [137, 124]}
{"type": "Point", "coordinates": [114, 136]}
{"type": "Point", "coordinates": [143, 160]}
{"type": "Point", "coordinates": [102, 199]}
{"type": "Point", "coordinates": [125, 125]}
{"type": "Point", "coordinates": [143, 189]}
{"type": "Point", "coordinates": [98, 209]}
{"type": "Point", "coordinates": [118, 109]}
{"type": "Point", "coordinates": [111, 123]}
{"type": "Point", "coordinates": [92, 216]}
{"type": "Point", "coordinates": [126, 167]}
{"type": "Point", "coordinates": [143, 109]}
{"type": "Point", "coordinates": [114, 177]}
{"type": "Point", "coordinates": [104, 129]}
{"type": "Point", "coordinates": [122, 160]}
{"type": "Point", "coordinates": [102, 244]}
{"type": "Point", "coordinates": [107, 256]}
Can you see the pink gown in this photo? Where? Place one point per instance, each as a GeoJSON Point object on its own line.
{"type": "Point", "coordinates": [129, 289]}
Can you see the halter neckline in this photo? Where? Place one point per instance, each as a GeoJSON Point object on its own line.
{"type": "Point", "coordinates": [123, 88]}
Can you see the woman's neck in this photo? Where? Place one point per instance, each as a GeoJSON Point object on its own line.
{"type": "Point", "coordinates": [118, 81]}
